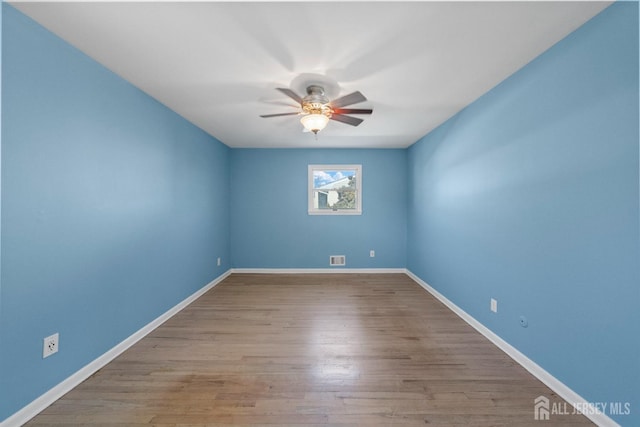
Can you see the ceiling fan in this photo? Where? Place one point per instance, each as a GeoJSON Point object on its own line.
{"type": "Point", "coordinates": [317, 109]}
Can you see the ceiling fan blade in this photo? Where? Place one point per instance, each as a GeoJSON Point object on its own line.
{"type": "Point", "coordinates": [291, 94]}
{"type": "Point", "coordinates": [353, 121]}
{"type": "Point", "coordinates": [353, 111]}
{"type": "Point", "coordinates": [279, 114]}
{"type": "Point", "coordinates": [352, 98]}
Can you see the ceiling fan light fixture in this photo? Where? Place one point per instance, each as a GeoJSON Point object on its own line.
{"type": "Point", "coordinates": [314, 122]}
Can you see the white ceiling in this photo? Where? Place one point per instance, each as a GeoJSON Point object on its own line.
{"type": "Point", "coordinates": [218, 63]}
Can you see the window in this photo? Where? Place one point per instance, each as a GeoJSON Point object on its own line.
{"type": "Point", "coordinates": [335, 189]}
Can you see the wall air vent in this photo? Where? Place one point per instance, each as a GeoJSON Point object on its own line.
{"type": "Point", "coordinates": [337, 260]}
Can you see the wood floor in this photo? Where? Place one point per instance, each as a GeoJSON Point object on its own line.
{"type": "Point", "coordinates": [304, 350]}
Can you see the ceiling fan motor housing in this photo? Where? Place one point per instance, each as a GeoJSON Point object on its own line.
{"type": "Point", "coordinates": [316, 102]}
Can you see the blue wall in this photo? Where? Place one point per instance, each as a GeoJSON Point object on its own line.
{"type": "Point", "coordinates": [530, 196]}
{"type": "Point", "coordinates": [272, 229]}
{"type": "Point", "coordinates": [114, 209]}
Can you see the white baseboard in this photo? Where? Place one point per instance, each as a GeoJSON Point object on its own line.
{"type": "Point", "coordinates": [536, 370]}
{"type": "Point", "coordinates": [329, 270]}
{"type": "Point", "coordinates": [42, 402]}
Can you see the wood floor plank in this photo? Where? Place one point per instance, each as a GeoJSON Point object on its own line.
{"type": "Point", "coordinates": [309, 350]}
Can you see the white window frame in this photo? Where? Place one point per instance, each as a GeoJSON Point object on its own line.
{"type": "Point", "coordinates": [334, 167]}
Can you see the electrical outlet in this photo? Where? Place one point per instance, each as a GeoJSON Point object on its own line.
{"type": "Point", "coordinates": [219, 262]}
{"type": "Point", "coordinates": [50, 345]}
{"type": "Point", "coordinates": [494, 305]}
{"type": "Point", "coordinates": [372, 253]}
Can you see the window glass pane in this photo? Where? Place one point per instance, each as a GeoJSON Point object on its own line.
{"type": "Point", "coordinates": [335, 189]}
{"type": "Point", "coordinates": [344, 198]}
{"type": "Point", "coordinates": [332, 179]}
